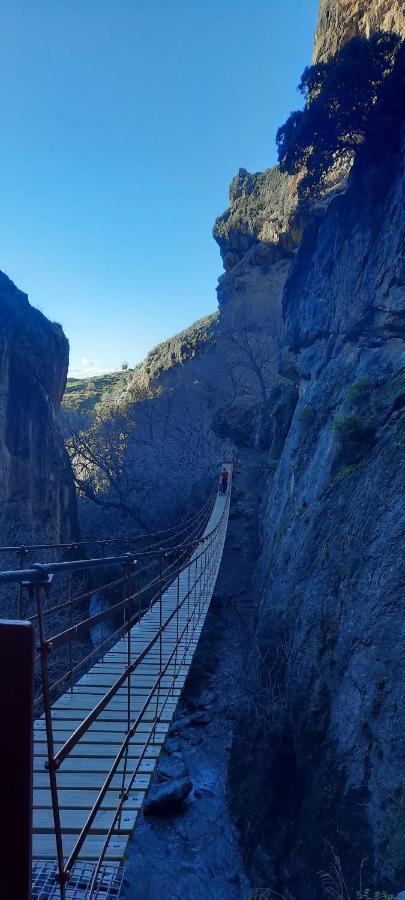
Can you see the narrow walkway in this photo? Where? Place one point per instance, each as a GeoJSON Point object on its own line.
{"type": "Point", "coordinates": [83, 773]}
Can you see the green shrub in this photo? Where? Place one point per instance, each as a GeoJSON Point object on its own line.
{"type": "Point", "coordinates": [340, 97]}
{"type": "Point", "coordinates": [345, 471]}
{"type": "Point", "coordinates": [360, 391]}
{"type": "Point", "coordinates": [351, 428]}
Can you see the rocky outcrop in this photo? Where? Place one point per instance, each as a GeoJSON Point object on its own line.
{"type": "Point", "coordinates": [260, 230]}
{"type": "Point", "coordinates": [326, 740]}
{"type": "Point", "coordinates": [259, 212]}
{"type": "Point", "coordinates": [340, 20]}
{"type": "Point", "coordinates": [256, 241]}
{"type": "Point", "coordinates": [37, 497]}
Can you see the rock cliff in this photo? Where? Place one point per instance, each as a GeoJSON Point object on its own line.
{"type": "Point", "coordinates": [259, 212]}
{"type": "Point", "coordinates": [258, 233]}
{"type": "Point", "coordinates": [315, 775]}
{"type": "Point", "coordinates": [37, 498]}
{"type": "Point", "coordinates": [326, 739]}
{"type": "Point", "coordinates": [340, 20]}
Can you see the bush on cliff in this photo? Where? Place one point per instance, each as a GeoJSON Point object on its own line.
{"type": "Point", "coordinates": [339, 99]}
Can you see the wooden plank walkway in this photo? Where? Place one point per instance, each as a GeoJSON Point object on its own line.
{"type": "Point", "coordinates": [83, 772]}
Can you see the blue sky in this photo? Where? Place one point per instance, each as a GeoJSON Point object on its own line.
{"type": "Point", "coordinates": [123, 123]}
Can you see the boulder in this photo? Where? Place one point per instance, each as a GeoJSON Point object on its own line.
{"type": "Point", "coordinates": [197, 718]}
{"type": "Point", "coordinates": [165, 797]}
{"type": "Point", "coordinates": [172, 767]}
{"type": "Point", "coordinates": [172, 745]}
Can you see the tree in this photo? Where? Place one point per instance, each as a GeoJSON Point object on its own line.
{"type": "Point", "coordinates": [250, 356]}
{"type": "Point", "coordinates": [144, 457]}
{"type": "Point", "coordinates": [102, 467]}
{"type": "Point", "coordinates": [339, 98]}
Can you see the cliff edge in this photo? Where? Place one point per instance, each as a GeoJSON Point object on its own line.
{"type": "Point", "coordinates": [37, 496]}
{"type": "Point", "coordinates": [340, 20]}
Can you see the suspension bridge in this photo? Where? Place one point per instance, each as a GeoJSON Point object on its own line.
{"type": "Point", "coordinates": [103, 706]}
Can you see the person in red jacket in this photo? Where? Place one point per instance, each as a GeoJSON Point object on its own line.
{"type": "Point", "coordinates": [224, 480]}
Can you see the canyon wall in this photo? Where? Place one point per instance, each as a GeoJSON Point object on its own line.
{"type": "Point", "coordinates": [37, 497]}
{"type": "Point", "coordinates": [325, 736]}
{"type": "Point", "coordinates": [256, 242]}
{"type": "Point", "coordinates": [340, 20]}
{"type": "Point", "coordinates": [316, 771]}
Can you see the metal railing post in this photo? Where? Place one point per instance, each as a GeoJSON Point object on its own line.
{"type": "Point", "coordinates": [21, 552]}
{"type": "Point", "coordinates": [72, 550]}
{"type": "Point", "coordinates": [127, 613]}
{"type": "Point", "coordinates": [16, 750]}
{"type": "Point", "coordinates": [160, 638]}
{"type": "Point", "coordinates": [102, 606]}
{"type": "Point", "coordinates": [35, 588]}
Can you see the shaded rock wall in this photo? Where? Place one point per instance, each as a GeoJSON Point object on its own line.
{"type": "Point", "coordinates": [327, 752]}
{"type": "Point", "coordinates": [37, 497]}
{"type": "Point", "coordinates": [340, 20]}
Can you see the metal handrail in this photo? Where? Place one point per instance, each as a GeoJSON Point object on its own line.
{"type": "Point", "coordinates": [37, 571]}
{"type": "Point", "coordinates": [202, 553]}
{"type": "Point", "coordinates": [25, 548]}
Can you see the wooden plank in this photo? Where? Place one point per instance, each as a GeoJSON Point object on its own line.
{"type": "Point", "coordinates": [97, 739]}
{"type": "Point", "coordinates": [67, 726]}
{"type": "Point", "coordinates": [89, 764]}
{"type": "Point", "coordinates": [44, 846]}
{"type": "Point", "coordinates": [102, 750]}
{"type": "Point", "coordinates": [73, 820]}
{"type": "Point", "coordinates": [75, 781]}
{"type": "Point", "coordinates": [85, 799]}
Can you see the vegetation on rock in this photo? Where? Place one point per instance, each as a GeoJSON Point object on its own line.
{"type": "Point", "coordinates": [84, 394]}
{"type": "Point", "coordinates": [181, 347]}
{"type": "Point", "coordinates": [339, 98]}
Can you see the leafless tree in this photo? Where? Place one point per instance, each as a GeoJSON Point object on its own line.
{"type": "Point", "coordinates": [251, 357]}
{"type": "Point", "coordinates": [146, 453]}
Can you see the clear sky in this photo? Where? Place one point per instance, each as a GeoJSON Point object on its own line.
{"type": "Point", "coordinates": [122, 124]}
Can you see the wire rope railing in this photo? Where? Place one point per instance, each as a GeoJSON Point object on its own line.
{"type": "Point", "coordinates": [170, 586]}
{"type": "Point", "coordinates": [159, 535]}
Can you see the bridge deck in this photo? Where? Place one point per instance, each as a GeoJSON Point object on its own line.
{"type": "Point", "coordinates": [82, 774]}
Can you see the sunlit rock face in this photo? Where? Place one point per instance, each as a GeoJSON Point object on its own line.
{"type": "Point", "coordinates": [256, 240]}
{"type": "Point", "coordinates": [340, 20]}
{"type": "Point", "coordinates": [37, 499]}
{"type": "Point", "coordinates": [260, 205]}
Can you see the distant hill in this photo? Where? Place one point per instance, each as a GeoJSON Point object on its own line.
{"type": "Point", "coordinates": [83, 395]}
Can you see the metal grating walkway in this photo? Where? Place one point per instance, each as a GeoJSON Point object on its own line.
{"type": "Point", "coordinates": [45, 886]}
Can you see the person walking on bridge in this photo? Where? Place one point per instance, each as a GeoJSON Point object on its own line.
{"type": "Point", "coordinates": [224, 480]}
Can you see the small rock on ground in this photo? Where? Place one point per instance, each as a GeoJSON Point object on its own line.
{"type": "Point", "coordinates": [172, 745]}
{"type": "Point", "coordinates": [172, 767]}
{"type": "Point", "coordinates": [198, 718]}
{"type": "Point", "coordinates": [163, 798]}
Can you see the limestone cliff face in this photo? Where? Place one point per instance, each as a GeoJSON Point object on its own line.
{"type": "Point", "coordinates": [258, 232]}
{"type": "Point", "coordinates": [256, 243]}
{"type": "Point", "coordinates": [330, 625]}
{"type": "Point", "coordinates": [259, 212]}
{"type": "Point", "coordinates": [37, 498]}
{"type": "Point", "coordinates": [340, 20]}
